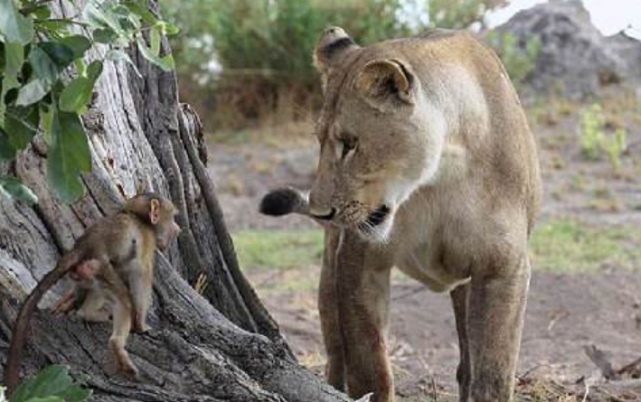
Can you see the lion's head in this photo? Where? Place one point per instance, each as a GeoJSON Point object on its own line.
{"type": "Point", "coordinates": [379, 138]}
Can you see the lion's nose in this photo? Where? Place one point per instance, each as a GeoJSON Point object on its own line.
{"type": "Point", "coordinates": [323, 215]}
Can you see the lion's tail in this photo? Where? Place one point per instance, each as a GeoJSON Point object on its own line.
{"type": "Point", "coordinates": [284, 201]}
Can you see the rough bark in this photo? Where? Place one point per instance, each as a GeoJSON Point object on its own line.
{"type": "Point", "coordinates": [218, 345]}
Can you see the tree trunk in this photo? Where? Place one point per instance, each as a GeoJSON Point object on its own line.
{"type": "Point", "coordinates": [219, 344]}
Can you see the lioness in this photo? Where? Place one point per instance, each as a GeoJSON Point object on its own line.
{"type": "Point", "coordinates": [427, 164]}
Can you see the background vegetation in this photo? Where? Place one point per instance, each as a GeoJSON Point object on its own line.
{"type": "Point", "coordinates": [46, 84]}
{"type": "Point", "coordinates": [249, 61]}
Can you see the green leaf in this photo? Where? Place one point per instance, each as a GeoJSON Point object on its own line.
{"type": "Point", "coordinates": [46, 120]}
{"type": "Point", "coordinates": [100, 15]}
{"type": "Point", "coordinates": [140, 9]}
{"type": "Point", "coordinates": [32, 92]}
{"type": "Point", "coordinates": [78, 44]}
{"type": "Point", "coordinates": [59, 53]}
{"type": "Point", "coordinates": [77, 95]}
{"type": "Point", "coordinates": [120, 10]}
{"type": "Point", "coordinates": [76, 394]}
{"type": "Point", "coordinates": [7, 149]}
{"type": "Point", "coordinates": [53, 381]}
{"type": "Point", "coordinates": [81, 67]}
{"type": "Point", "coordinates": [21, 125]}
{"type": "Point", "coordinates": [12, 188]}
{"type": "Point", "coordinates": [130, 22]}
{"type": "Point", "coordinates": [14, 26]}
{"type": "Point", "coordinates": [47, 399]}
{"type": "Point", "coordinates": [41, 12]}
{"type": "Point", "coordinates": [155, 40]}
{"type": "Point", "coordinates": [167, 28]}
{"type": "Point", "coordinates": [14, 58]}
{"type": "Point", "coordinates": [105, 35]}
{"type": "Point", "coordinates": [54, 27]}
{"type": "Point", "coordinates": [44, 67]}
{"type": "Point", "coordinates": [116, 55]}
{"type": "Point", "coordinates": [69, 156]}
{"type": "Point", "coordinates": [49, 381]}
{"type": "Point", "coordinates": [94, 70]}
{"type": "Point", "coordinates": [165, 63]}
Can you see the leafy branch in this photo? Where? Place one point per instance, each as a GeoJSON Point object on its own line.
{"type": "Point", "coordinates": [52, 384]}
{"type": "Point", "coordinates": [36, 51]}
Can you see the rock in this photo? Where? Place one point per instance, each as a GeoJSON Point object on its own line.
{"type": "Point", "coordinates": [575, 58]}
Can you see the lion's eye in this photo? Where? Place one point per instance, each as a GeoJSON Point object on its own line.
{"type": "Point", "coordinates": [345, 146]}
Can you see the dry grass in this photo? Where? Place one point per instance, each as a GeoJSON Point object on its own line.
{"type": "Point", "coordinates": [537, 390]}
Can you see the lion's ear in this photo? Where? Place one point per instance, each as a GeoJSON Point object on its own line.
{"type": "Point", "coordinates": [381, 82]}
{"type": "Point", "coordinates": [332, 47]}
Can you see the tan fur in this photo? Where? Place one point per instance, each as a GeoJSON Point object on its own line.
{"type": "Point", "coordinates": [439, 138]}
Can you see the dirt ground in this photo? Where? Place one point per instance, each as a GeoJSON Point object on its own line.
{"type": "Point", "coordinates": [566, 311]}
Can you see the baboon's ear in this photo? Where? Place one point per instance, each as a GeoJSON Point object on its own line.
{"type": "Point", "coordinates": [331, 47]}
{"type": "Point", "coordinates": [384, 82]}
{"type": "Point", "coordinates": [154, 211]}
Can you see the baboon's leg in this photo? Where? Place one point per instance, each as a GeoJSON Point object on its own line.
{"type": "Point", "coordinates": [120, 334]}
{"type": "Point", "coordinates": [463, 373]}
{"type": "Point", "coordinates": [122, 320]}
{"type": "Point", "coordinates": [496, 310]}
{"type": "Point", "coordinates": [93, 308]}
{"type": "Point", "coordinates": [328, 309]}
{"type": "Point", "coordinates": [141, 288]}
{"type": "Point", "coordinates": [363, 286]}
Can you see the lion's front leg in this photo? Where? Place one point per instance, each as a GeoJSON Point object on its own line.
{"type": "Point", "coordinates": [362, 280]}
{"type": "Point", "coordinates": [463, 373]}
{"type": "Point", "coordinates": [328, 310]}
{"type": "Point", "coordinates": [496, 310]}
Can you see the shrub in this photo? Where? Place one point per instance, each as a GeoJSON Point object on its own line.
{"type": "Point", "coordinates": [518, 61]}
{"type": "Point", "coordinates": [262, 48]}
{"type": "Point", "coordinates": [461, 14]}
{"type": "Point", "coordinates": [273, 39]}
{"type": "Point", "coordinates": [596, 142]}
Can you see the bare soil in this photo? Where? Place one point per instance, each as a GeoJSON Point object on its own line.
{"type": "Point", "coordinates": [566, 311]}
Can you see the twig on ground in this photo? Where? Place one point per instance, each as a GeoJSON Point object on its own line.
{"type": "Point", "coordinates": [556, 318]}
{"type": "Point", "coordinates": [598, 358]}
{"type": "Point", "coordinates": [587, 391]}
{"type": "Point", "coordinates": [434, 392]}
{"type": "Point", "coordinates": [630, 368]}
{"type": "Point", "coordinates": [532, 370]}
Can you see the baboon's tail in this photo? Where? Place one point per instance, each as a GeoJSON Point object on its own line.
{"type": "Point", "coordinates": [21, 325]}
